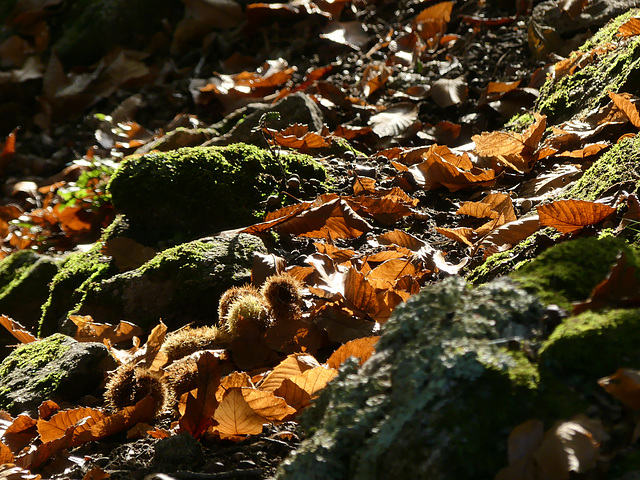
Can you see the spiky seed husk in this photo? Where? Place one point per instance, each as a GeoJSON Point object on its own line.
{"type": "Point", "coordinates": [180, 377]}
{"type": "Point", "coordinates": [248, 306]}
{"type": "Point", "coordinates": [130, 384]}
{"type": "Point", "coordinates": [186, 341]}
{"type": "Point", "coordinates": [283, 295]}
{"type": "Point", "coordinates": [230, 296]}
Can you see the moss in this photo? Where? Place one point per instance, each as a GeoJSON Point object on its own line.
{"type": "Point", "coordinates": [613, 69]}
{"type": "Point", "coordinates": [34, 355]}
{"type": "Point", "coordinates": [520, 122]}
{"type": "Point", "coordinates": [180, 284]}
{"type": "Point", "coordinates": [568, 271]}
{"type": "Point", "coordinates": [592, 345]}
{"type": "Point", "coordinates": [202, 190]}
{"type": "Point", "coordinates": [70, 284]}
{"type": "Point", "coordinates": [619, 164]}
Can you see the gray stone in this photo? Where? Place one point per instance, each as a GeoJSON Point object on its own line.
{"type": "Point", "coordinates": [55, 368]}
{"type": "Point", "coordinates": [438, 397]}
{"type": "Point", "coordinates": [178, 452]}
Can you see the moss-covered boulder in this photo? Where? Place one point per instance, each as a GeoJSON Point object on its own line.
{"type": "Point", "coordinates": [619, 166]}
{"type": "Point", "coordinates": [608, 62]}
{"type": "Point", "coordinates": [24, 287]}
{"type": "Point", "coordinates": [425, 404]}
{"type": "Point", "coordinates": [56, 368]}
{"type": "Point", "coordinates": [179, 285]}
{"type": "Point", "coordinates": [191, 192]}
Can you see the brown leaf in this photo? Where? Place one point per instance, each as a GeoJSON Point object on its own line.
{"type": "Point", "coordinates": [568, 447]}
{"type": "Point", "coordinates": [201, 405]}
{"type": "Point", "coordinates": [630, 28]}
{"type": "Point", "coordinates": [20, 433]}
{"type": "Point", "coordinates": [359, 292]}
{"type": "Point", "coordinates": [266, 404]}
{"type": "Point", "coordinates": [298, 137]}
{"type": "Point", "coordinates": [298, 390]}
{"type": "Point", "coordinates": [624, 385]}
{"type": "Point", "coordinates": [90, 331]}
{"type": "Point", "coordinates": [127, 253]}
{"type": "Point", "coordinates": [6, 456]}
{"type": "Point", "coordinates": [628, 107]}
{"type": "Point", "coordinates": [265, 265]}
{"type": "Point", "coordinates": [233, 380]}
{"type": "Point", "coordinates": [150, 356]}
{"type": "Point", "coordinates": [361, 348]}
{"type": "Point", "coordinates": [510, 233]}
{"type": "Point", "coordinates": [342, 323]}
{"type": "Point", "coordinates": [235, 417]}
{"type": "Point", "coordinates": [82, 419]}
{"type": "Point", "coordinates": [459, 234]}
{"type": "Point", "coordinates": [375, 75]}
{"type": "Point", "coordinates": [143, 411]}
{"type": "Point", "coordinates": [96, 473]}
{"type": "Point", "coordinates": [292, 335]}
{"type": "Point", "coordinates": [394, 120]}
{"type": "Point", "coordinates": [17, 330]}
{"type": "Point", "coordinates": [332, 220]}
{"type": "Point", "coordinates": [570, 216]}
{"type": "Point", "coordinates": [447, 92]}
{"type": "Point", "coordinates": [9, 471]}
{"type": "Point", "coordinates": [291, 366]}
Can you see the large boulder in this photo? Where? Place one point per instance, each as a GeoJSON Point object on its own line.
{"type": "Point", "coordinates": [179, 285]}
{"type": "Point", "coordinates": [457, 368]}
{"type": "Point", "coordinates": [190, 192]}
{"type": "Point", "coordinates": [55, 368]}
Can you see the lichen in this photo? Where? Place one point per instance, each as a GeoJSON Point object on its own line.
{"type": "Point", "coordinates": [203, 190]}
{"type": "Point", "coordinates": [618, 165]}
{"type": "Point", "coordinates": [612, 67]}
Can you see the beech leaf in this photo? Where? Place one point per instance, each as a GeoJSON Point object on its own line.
{"type": "Point", "coordinates": [624, 385]}
{"type": "Point", "coordinates": [17, 330]}
{"type": "Point", "coordinates": [570, 216]}
{"type": "Point", "coordinates": [361, 348]}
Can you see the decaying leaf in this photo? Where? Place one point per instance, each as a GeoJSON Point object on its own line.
{"type": "Point", "coordinates": [90, 331]}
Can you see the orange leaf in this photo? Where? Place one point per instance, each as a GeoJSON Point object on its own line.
{"type": "Point", "coordinates": [298, 390]}
{"type": "Point", "coordinates": [510, 234]}
{"type": "Point", "coordinates": [143, 411]}
{"type": "Point", "coordinates": [291, 366]}
{"type": "Point", "coordinates": [90, 331]}
{"type": "Point", "coordinates": [17, 330]}
{"type": "Point", "coordinates": [201, 405]}
{"type": "Point", "coordinates": [630, 27]}
{"type": "Point", "coordinates": [235, 417]}
{"type": "Point", "coordinates": [629, 109]}
{"type": "Point", "coordinates": [568, 447]}
{"type": "Point", "coordinates": [267, 404]}
{"type": "Point", "coordinates": [361, 348]}
{"type": "Point", "coordinates": [80, 418]}
{"type": "Point", "coordinates": [359, 292]}
{"type": "Point", "coordinates": [624, 385]}
{"type": "Point", "coordinates": [45, 451]}
{"type": "Point", "coordinates": [450, 171]}
{"type": "Point", "coordinates": [6, 455]}
{"type": "Point", "coordinates": [570, 216]}
{"type": "Point", "coordinates": [233, 380]}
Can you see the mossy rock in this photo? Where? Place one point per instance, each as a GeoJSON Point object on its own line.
{"type": "Point", "coordinates": [179, 285]}
{"type": "Point", "coordinates": [192, 192]}
{"type": "Point", "coordinates": [592, 345]}
{"type": "Point", "coordinates": [424, 405]}
{"type": "Point", "coordinates": [619, 165]}
{"type": "Point", "coordinates": [56, 368]}
{"type": "Point", "coordinates": [568, 272]}
{"type": "Point", "coordinates": [615, 67]}
{"type": "Point", "coordinates": [78, 271]}
{"type": "Point", "coordinates": [24, 287]}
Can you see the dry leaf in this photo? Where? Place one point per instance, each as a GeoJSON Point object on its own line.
{"type": "Point", "coordinates": [570, 216]}
{"type": "Point", "coordinates": [90, 331]}
{"type": "Point", "coordinates": [624, 385]}
{"type": "Point", "coordinates": [266, 404]}
{"type": "Point", "coordinates": [395, 120]}
{"type": "Point", "coordinates": [235, 417]}
{"type": "Point", "coordinates": [17, 330]}
{"type": "Point", "coordinates": [447, 92]}
{"type": "Point", "coordinates": [299, 390]}
{"type": "Point", "coordinates": [361, 348]}
{"type": "Point", "coordinates": [630, 110]}
{"type": "Point", "coordinates": [127, 253]}
{"type": "Point", "coordinates": [630, 28]}
{"type": "Point", "coordinates": [290, 367]}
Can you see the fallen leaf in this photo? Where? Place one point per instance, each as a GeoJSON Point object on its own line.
{"type": "Point", "coordinates": [630, 28]}
{"type": "Point", "coordinates": [448, 92]}
{"type": "Point", "coordinates": [291, 366]}
{"type": "Point", "coordinates": [17, 330]}
{"type": "Point", "coordinates": [570, 216]}
{"type": "Point", "coordinates": [127, 253]}
{"type": "Point", "coordinates": [270, 407]}
{"type": "Point", "coordinates": [624, 385]}
{"type": "Point", "coordinates": [82, 419]}
{"type": "Point", "coordinates": [235, 417]}
{"type": "Point", "coordinates": [361, 348]}
{"type": "Point", "coordinates": [299, 390]}
{"type": "Point", "coordinates": [630, 110]}
{"type": "Point", "coordinates": [510, 234]}
{"type": "Point", "coordinates": [90, 331]}
{"type": "Point", "coordinates": [394, 120]}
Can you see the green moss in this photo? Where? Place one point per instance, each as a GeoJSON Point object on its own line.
{"type": "Point", "coordinates": [520, 122]}
{"type": "Point", "coordinates": [70, 284]}
{"type": "Point", "coordinates": [202, 190]}
{"type": "Point", "coordinates": [568, 272]}
{"type": "Point", "coordinates": [619, 164]}
{"type": "Point", "coordinates": [592, 345]}
{"type": "Point", "coordinates": [613, 69]}
{"type": "Point", "coordinates": [34, 355]}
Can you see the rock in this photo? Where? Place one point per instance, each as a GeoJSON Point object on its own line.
{"type": "Point", "coordinates": [55, 368]}
{"type": "Point", "coordinates": [424, 405]}
{"type": "Point", "coordinates": [179, 285]}
{"type": "Point", "coordinates": [178, 452]}
{"type": "Point", "coordinates": [192, 192]}
{"type": "Point", "coordinates": [617, 68]}
{"type": "Point", "coordinates": [24, 287]}
{"type": "Point", "coordinates": [618, 168]}
{"type": "Point", "coordinates": [295, 108]}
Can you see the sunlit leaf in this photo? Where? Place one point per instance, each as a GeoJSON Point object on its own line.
{"type": "Point", "coordinates": [447, 92]}
{"type": "Point", "coordinates": [361, 348]}
{"type": "Point", "coordinates": [267, 404]}
{"type": "Point", "coordinates": [624, 385]}
{"type": "Point", "coordinates": [298, 390]}
{"type": "Point", "coordinates": [290, 367]}
{"type": "Point", "coordinates": [459, 234]}
{"type": "Point", "coordinates": [568, 447]}
{"type": "Point", "coordinates": [235, 417]}
{"type": "Point", "coordinates": [394, 120]}
{"type": "Point", "coordinates": [351, 34]}
{"type": "Point", "coordinates": [510, 234]}
{"type": "Point", "coordinates": [81, 418]}
{"type": "Point", "coordinates": [570, 216]}
{"type": "Point", "coordinates": [630, 27]}
{"type": "Point", "coordinates": [624, 103]}
{"type": "Point", "coordinates": [90, 331]}
{"type": "Point", "coordinates": [17, 330]}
